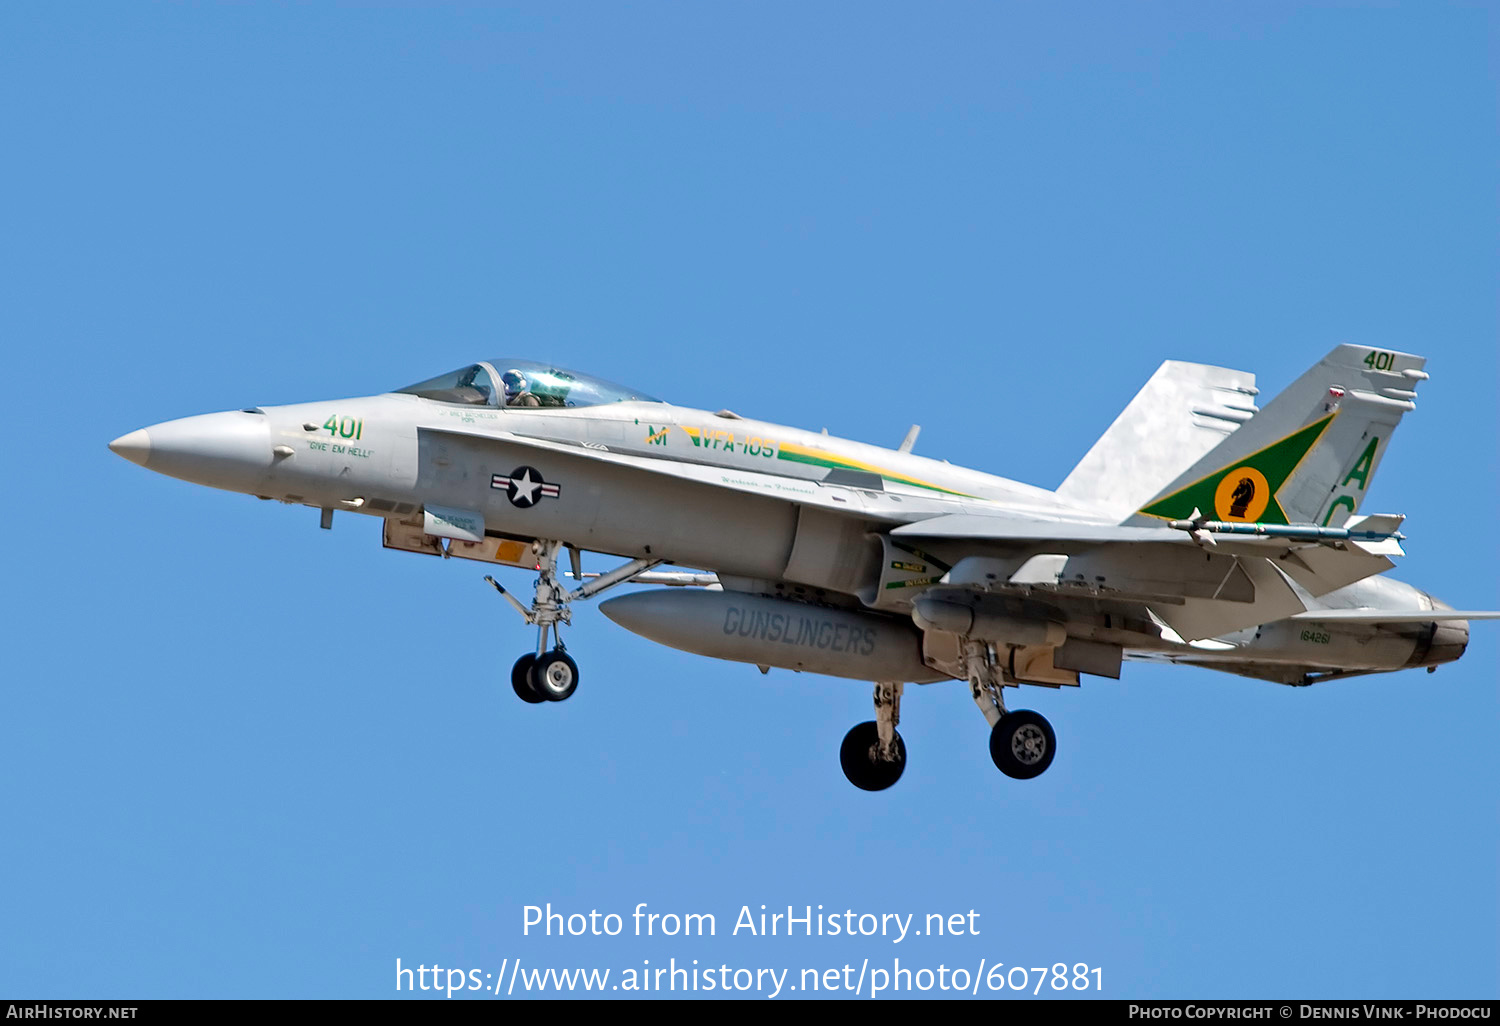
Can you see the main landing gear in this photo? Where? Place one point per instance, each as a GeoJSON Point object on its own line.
{"type": "Point", "coordinates": [873, 754]}
{"type": "Point", "coordinates": [1022, 744]}
{"type": "Point", "coordinates": [551, 675]}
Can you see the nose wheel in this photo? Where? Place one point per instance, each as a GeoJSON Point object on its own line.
{"type": "Point", "coordinates": [551, 678]}
{"type": "Point", "coordinates": [554, 676]}
{"type": "Point", "coordinates": [520, 680]}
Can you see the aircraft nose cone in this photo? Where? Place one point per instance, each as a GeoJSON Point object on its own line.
{"type": "Point", "coordinates": [224, 450]}
{"type": "Point", "coordinates": [135, 446]}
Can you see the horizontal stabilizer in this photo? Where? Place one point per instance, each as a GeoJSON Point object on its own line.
{"type": "Point", "coordinates": [1200, 585]}
{"type": "Point", "coordinates": [1395, 615]}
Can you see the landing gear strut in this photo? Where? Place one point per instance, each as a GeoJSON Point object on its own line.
{"type": "Point", "coordinates": [873, 755]}
{"type": "Point", "coordinates": [551, 675]}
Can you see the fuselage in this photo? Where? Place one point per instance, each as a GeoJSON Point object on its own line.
{"type": "Point", "coordinates": [748, 500]}
{"type": "Point", "coordinates": [384, 455]}
{"type": "Point", "coordinates": [340, 447]}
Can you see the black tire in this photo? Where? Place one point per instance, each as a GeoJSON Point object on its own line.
{"type": "Point", "coordinates": [554, 676]}
{"type": "Point", "coordinates": [1022, 744]}
{"type": "Point", "coordinates": [857, 757]}
{"type": "Point", "coordinates": [520, 680]}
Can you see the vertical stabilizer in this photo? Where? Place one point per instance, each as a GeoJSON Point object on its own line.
{"type": "Point", "coordinates": [1185, 410]}
{"type": "Point", "coordinates": [1310, 455]}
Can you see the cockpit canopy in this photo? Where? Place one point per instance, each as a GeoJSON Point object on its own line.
{"type": "Point", "coordinates": [523, 383]}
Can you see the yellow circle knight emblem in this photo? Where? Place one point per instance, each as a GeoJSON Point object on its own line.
{"type": "Point", "coordinates": [1242, 495]}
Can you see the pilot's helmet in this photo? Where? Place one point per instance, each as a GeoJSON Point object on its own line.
{"type": "Point", "coordinates": [514, 382]}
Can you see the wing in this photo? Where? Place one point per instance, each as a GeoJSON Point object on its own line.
{"type": "Point", "coordinates": [1200, 586]}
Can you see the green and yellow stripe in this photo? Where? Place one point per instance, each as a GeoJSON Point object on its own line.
{"type": "Point", "coordinates": [822, 458]}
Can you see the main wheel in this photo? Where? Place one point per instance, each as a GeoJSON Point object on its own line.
{"type": "Point", "coordinates": [1022, 744]}
{"type": "Point", "coordinates": [862, 767]}
{"type": "Point", "coordinates": [555, 676]}
{"type": "Point", "coordinates": [520, 680]}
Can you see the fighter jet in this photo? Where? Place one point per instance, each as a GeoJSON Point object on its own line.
{"type": "Point", "coordinates": [1199, 529]}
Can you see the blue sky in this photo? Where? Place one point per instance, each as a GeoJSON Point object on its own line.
{"type": "Point", "coordinates": [245, 757]}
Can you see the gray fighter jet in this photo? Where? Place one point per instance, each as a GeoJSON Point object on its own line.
{"type": "Point", "coordinates": [1199, 529]}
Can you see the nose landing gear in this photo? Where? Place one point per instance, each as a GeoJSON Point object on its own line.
{"type": "Point", "coordinates": [551, 675]}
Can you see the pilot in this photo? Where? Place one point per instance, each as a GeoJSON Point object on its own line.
{"type": "Point", "coordinates": [516, 393]}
